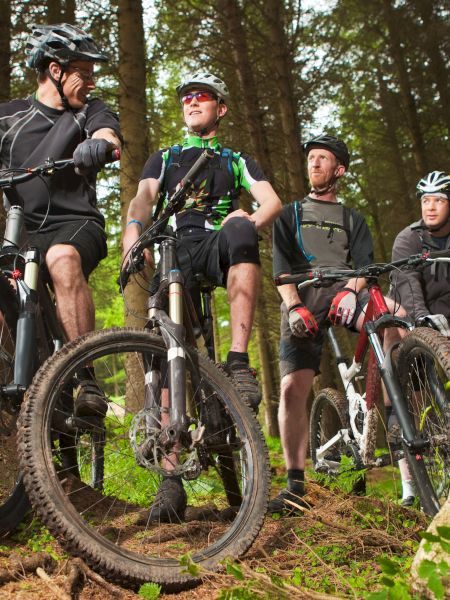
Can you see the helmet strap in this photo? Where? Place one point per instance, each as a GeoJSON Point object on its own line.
{"type": "Point", "coordinates": [59, 86]}
{"type": "Point", "coordinates": [329, 187]}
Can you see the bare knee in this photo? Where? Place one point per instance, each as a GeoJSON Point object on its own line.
{"type": "Point", "coordinates": [64, 265]}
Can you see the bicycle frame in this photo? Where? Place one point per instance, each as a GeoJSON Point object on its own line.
{"type": "Point", "coordinates": [377, 317]}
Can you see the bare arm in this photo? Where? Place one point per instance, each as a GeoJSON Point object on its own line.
{"type": "Point", "coordinates": [107, 134]}
{"type": "Point", "coordinates": [269, 206]}
{"type": "Point", "coordinates": [140, 209]}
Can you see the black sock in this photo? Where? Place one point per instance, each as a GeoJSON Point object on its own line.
{"type": "Point", "coordinates": [237, 356]}
{"type": "Point", "coordinates": [296, 481]}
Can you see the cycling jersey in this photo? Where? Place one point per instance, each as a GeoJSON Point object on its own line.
{"type": "Point", "coordinates": [31, 132]}
{"type": "Point", "coordinates": [319, 233]}
{"type": "Point", "coordinates": [215, 188]}
{"type": "Point", "coordinates": [424, 290]}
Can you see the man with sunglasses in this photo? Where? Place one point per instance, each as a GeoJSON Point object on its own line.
{"type": "Point", "coordinates": [61, 120]}
{"type": "Point", "coordinates": [217, 239]}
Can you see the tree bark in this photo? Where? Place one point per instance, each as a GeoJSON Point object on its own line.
{"type": "Point", "coordinates": [5, 51]}
{"type": "Point", "coordinates": [132, 109]}
{"type": "Point", "coordinates": [69, 11]}
{"type": "Point", "coordinates": [54, 11]}
{"type": "Point", "coordinates": [406, 93]}
{"type": "Point", "coordinates": [282, 69]}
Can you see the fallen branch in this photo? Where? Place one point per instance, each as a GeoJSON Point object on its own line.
{"type": "Point", "coordinates": [19, 567]}
{"type": "Point", "coordinates": [96, 578]}
{"type": "Point", "coordinates": [61, 594]}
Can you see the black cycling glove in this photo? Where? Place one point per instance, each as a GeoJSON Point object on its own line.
{"type": "Point", "coordinates": [92, 154]}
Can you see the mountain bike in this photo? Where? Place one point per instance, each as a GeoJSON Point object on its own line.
{"type": "Point", "coordinates": [29, 333]}
{"type": "Point", "coordinates": [172, 413]}
{"type": "Point", "coordinates": [416, 376]}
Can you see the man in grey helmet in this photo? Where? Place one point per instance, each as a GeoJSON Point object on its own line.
{"type": "Point", "coordinates": [61, 120]}
{"type": "Point", "coordinates": [216, 238]}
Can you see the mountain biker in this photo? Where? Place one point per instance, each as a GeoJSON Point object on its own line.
{"type": "Point", "coordinates": [317, 231]}
{"type": "Point", "coordinates": [61, 120]}
{"type": "Point", "coordinates": [216, 238]}
{"type": "Point", "coordinates": [424, 292]}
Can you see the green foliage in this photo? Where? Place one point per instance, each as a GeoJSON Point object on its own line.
{"type": "Point", "coordinates": [189, 565]}
{"type": "Point", "coordinates": [150, 591]}
{"type": "Point", "coordinates": [346, 479]}
{"type": "Point", "coordinates": [37, 538]}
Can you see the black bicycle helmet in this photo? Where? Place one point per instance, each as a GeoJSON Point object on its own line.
{"type": "Point", "coordinates": [331, 143]}
{"type": "Point", "coordinates": [206, 81]}
{"type": "Point", "coordinates": [62, 43]}
{"type": "Point", "coordinates": [436, 182]}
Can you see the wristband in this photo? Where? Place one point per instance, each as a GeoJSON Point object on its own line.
{"type": "Point", "coordinates": [347, 289]}
{"type": "Point", "coordinates": [294, 306]}
{"type": "Point", "coordinates": [137, 223]}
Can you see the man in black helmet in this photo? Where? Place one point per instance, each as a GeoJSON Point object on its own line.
{"type": "Point", "coordinates": [61, 120]}
{"type": "Point", "coordinates": [317, 231]}
{"type": "Point", "coordinates": [216, 238]}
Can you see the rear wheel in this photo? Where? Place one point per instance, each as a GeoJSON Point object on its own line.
{"type": "Point", "coordinates": [424, 372]}
{"type": "Point", "coordinates": [328, 416]}
{"type": "Point", "coordinates": [110, 526]}
{"type": "Point", "coordinates": [13, 499]}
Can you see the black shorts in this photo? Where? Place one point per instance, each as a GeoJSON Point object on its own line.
{"type": "Point", "coordinates": [86, 236]}
{"type": "Point", "coordinates": [305, 353]}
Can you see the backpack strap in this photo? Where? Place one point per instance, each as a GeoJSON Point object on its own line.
{"type": "Point", "coordinates": [226, 164]}
{"type": "Point", "coordinates": [174, 155]}
{"type": "Point", "coordinates": [298, 213]}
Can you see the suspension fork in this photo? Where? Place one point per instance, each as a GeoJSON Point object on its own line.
{"type": "Point", "coordinates": [174, 334]}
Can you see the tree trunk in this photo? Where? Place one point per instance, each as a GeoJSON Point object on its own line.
{"type": "Point", "coordinates": [438, 65]}
{"type": "Point", "coordinates": [397, 154]}
{"type": "Point", "coordinates": [132, 109]}
{"type": "Point", "coordinates": [54, 11]}
{"type": "Point", "coordinates": [69, 12]}
{"type": "Point", "coordinates": [282, 70]}
{"type": "Point", "coordinates": [406, 94]}
{"type": "Point", "coordinates": [5, 51]}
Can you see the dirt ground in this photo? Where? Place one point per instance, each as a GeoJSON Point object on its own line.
{"type": "Point", "coordinates": [325, 548]}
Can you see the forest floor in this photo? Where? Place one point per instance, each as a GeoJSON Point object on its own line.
{"type": "Point", "coordinates": [333, 550]}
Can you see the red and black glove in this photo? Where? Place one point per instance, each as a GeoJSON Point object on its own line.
{"type": "Point", "coordinates": [343, 307]}
{"type": "Point", "coordinates": [302, 322]}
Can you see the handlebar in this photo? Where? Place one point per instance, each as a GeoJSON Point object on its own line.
{"type": "Point", "coordinates": [175, 204]}
{"type": "Point", "coordinates": [321, 277]}
{"type": "Point", "coordinates": [20, 175]}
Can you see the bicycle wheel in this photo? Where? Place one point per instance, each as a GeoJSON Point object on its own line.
{"type": "Point", "coordinates": [110, 527]}
{"type": "Point", "coordinates": [328, 416]}
{"type": "Point", "coordinates": [424, 373]}
{"type": "Point", "coordinates": [13, 500]}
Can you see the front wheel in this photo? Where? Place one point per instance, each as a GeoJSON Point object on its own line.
{"type": "Point", "coordinates": [329, 416]}
{"type": "Point", "coordinates": [424, 373]}
{"type": "Point", "coordinates": [110, 525]}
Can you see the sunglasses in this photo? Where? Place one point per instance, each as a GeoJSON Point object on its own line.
{"type": "Point", "coordinates": [200, 96]}
{"type": "Point", "coordinates": [85, 76]}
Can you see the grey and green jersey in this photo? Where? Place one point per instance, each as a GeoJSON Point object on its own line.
{"type": "Point", "coordinates": [216, 188]}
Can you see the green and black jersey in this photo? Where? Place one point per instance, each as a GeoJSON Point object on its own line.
{"type": "Point", "coordinates": [216, 188]}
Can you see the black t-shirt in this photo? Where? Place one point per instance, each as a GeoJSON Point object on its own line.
{"type": "Point", "coordinates": [31, 132]}
{"type": "Point", "coordinates": [320, 234]}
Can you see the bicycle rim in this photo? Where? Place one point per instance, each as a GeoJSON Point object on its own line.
{"type": "Point", "coordinates": [424, 368]}
{"type": "Point", "coordinates": [110, 526]}
{"type": "Point", "coordinates": [13, 500]}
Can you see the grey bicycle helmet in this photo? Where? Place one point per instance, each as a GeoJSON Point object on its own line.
{"type": "Point", "coordinates": [436, 182]}
{"type": "Point", "coordinates": [206, 81]}
{"type": "Point", "coordinates": [331, 143]}
{"type": "Point", "coordinates": [62, 43]}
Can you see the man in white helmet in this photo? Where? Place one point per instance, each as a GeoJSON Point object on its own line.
{"type": "Point", "coordinates": [424, 291]}
{"type": "Point", "coordinates": [216, 238]}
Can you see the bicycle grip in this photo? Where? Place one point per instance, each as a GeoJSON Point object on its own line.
{"type": "Point", "coordinates": [113, 155]}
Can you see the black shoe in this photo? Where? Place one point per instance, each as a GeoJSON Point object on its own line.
{"type": "Point", "coordinates": [246, 383]}
{"type": "Point", "coordinates": [287, 502]}
{"type": "Point", "coordinates": [409, 501]}
{"type": "Point", "coordinates": [90, 400]}
{"type": "Point", "coordinates": [170, 502]}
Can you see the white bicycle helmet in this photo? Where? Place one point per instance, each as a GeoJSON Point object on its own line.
{"type": "Point", "coordinates": [436, 182]}
{"type": "Point", "coordinates": [206, 81]}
